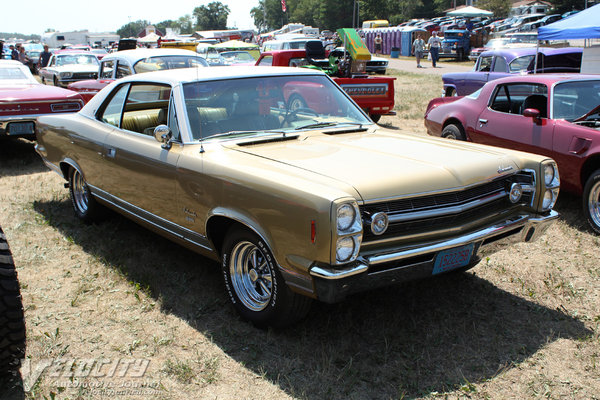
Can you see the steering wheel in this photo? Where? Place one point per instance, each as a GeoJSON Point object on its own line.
{"type": "Point", "coordinates": [293, 115]}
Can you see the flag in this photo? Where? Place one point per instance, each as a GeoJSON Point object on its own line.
{"type": "Point", "coordinates": [283, 7]}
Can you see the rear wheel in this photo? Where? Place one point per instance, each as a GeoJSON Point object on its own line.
{"type": "Point", "coordinates": [12, 317]}
{"type": "Point", "coordinates": [255, 285]}
{"type": "Point", "coordinates": [452, 131]}
{"type": "Point", "coordinates": [591, 201]}
{"type": "Point", "coordinates": [85, 206]}
{"type": "Point", "coordinates": [55, 81]}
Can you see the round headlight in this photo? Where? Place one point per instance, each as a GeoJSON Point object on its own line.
{"type": "Point", "coordinates": [344, 249]}
{"type": "Point", "coordinates": [516, 191]}
{"type": "Point", "coordinates": [345, 216]}
{"type": "Point", "coordinates": [379, 223]}
{"type": "Point", "coordinates": [548, 174]}
{"type": "Point", "coordinates": [65, 74]}
{"type": "Point", "coordinates": [549, 199]}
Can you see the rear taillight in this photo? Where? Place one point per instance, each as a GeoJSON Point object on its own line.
{"type": "Point", "coordinates": [66, 107]}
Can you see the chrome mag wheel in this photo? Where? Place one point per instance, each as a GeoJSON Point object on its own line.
{"type": "Point", "coordinates": [593, 203]}
{"type": "Point", "coordinates": [251, 275]}
{"type": "Point", "coordinates": [80, 191]}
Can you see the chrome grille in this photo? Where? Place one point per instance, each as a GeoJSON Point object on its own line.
{"type": "Point", "coordinates": [447, 210]}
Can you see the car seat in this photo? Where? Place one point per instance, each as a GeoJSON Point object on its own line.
{"type": "Point", "coordinates": [538, 102]}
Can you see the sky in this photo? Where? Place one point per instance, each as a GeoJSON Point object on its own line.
{"type": "Point", "coordinates": [36, 16]}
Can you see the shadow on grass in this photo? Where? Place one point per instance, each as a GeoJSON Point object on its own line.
{"type": "Point", "coordinates": [18, 157]}
{"type": "Point", "coordinates": [403, 341]}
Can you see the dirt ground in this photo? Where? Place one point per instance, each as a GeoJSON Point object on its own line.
{"type": "Point", "coordinates": [114, 311]}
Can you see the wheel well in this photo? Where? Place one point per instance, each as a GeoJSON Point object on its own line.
{"type": "Point", "coordinates": [456, 122]}
{"type": "Point", "coordinates": [449, 90]}
{"type": "Point", "coordinates": [590, 165]}
{"type": "Point", "coordinates": [216, 229]}
{"type": "Point", "coordinates": [64, 167]}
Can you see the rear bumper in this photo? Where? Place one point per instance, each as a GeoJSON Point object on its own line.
{"type": "Point", "coordinates": [372, 271]}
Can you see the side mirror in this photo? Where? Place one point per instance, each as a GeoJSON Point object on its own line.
{"type": "Point", "coordinates": [163, 135]}
{"type": "Point", "coordinates": [534, 114]}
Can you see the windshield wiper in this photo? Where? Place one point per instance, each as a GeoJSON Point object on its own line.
{"type": "Point", "coordinates": [317, 125]}
{"type": "Point", "coordinates": [234, 133]}
{"type": "Point", "coordinates": [591, 112]}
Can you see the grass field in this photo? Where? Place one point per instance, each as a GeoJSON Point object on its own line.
{"type": "Point", "coordinates": [523, 324]}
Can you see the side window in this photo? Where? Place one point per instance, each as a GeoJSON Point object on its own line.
{"type": "Point", "coordinates": [112, 111]}
{"type": "Point", "coordinates": [485, 64]}
{"type": "Point", "coordinates": [500, 64]}
{"type": "Point", "coordinates": [106, 69]}
{"type": "Point", "coordinates": [123, 70]}
{"type": "Point", "coordinates": [515, 98]}
{"type": "Point", "coordinates": [266, 60]}
{"type": "Point", "coordinates": [146, 108]}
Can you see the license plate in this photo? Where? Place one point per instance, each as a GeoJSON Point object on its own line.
{"type": "Point", "coordinates": [21, 128]}
{"type": "Point", "coordinates": [450, 259]}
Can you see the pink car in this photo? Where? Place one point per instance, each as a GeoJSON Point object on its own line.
{"type": "Point", "coordinates": [554, 115]}
{"type": "Point", "coordinates": [23, 99]}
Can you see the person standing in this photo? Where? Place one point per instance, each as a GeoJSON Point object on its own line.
{"type": "Point", "coordinates": [44, 57]}
{"type": "Point", "coordinates": [378, 42]}
{"type": "Point", "coordinates": [434, 44]}
{"type": "Point", "coordinates": [23, 56]}
{"type": "Point", "coordinates": [418, 48]}
{"type": "Point", "coordinates": [14, 54]}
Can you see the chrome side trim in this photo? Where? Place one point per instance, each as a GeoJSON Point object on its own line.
{"type": "Point", "coordinates": [152, 219]}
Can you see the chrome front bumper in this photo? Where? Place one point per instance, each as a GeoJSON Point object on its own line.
{"type": "Point", "coordinates": [375, 267]}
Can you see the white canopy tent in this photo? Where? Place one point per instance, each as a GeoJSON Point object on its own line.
{"type": "Point", "coordinates": [470, 12]}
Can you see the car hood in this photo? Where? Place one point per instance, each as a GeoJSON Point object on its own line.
{"type": "Point", "coordinates": [386, 164]}
{"type": "Point", "coordinates": [35, 92]}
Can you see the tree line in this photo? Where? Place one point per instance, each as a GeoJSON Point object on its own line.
{"type": "Point", "coordinates": [326, 14]}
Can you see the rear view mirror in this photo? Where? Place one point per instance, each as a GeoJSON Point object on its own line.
{"type": "Point", "coordinates": [534, 114]}
{"type": "Point", "coordinates": [163, 135]}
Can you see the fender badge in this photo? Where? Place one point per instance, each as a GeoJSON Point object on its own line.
{"type": "Point", "coordinates": [504, 169]}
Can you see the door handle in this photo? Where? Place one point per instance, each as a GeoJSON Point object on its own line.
{"type": "Point", "coordinates": [482, 122]}
{"type": "Point", "coordinates": [111, 153]}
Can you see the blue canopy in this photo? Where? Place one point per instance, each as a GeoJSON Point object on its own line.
{"type": "Point", "coordinates": [583, 25]}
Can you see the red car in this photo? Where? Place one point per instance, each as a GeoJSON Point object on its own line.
{"type": "Point", "coordinates": [23, 99]}
{"type": "Point", "coordinates": [553, 115]}
{"type": "Point", "coordinates": [374, 94]}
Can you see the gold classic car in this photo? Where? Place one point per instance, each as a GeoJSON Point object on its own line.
{"type": "Point", "coordinates": [277, 173]}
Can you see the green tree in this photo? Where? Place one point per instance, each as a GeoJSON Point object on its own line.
{"type": "Point", "coordinates": [563, 6]}
{"type": "Point", "coordinates": [500, 8]}
{"type": "Point", "coordinates": [132, 29]}
{"type": "Point", "coordinates": [212, 16]}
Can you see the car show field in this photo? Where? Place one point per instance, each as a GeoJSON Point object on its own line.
{"type": "Point", "coordinates": [524, 323]}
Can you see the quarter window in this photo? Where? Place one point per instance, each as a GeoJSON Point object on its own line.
{"type": "Point", "coordinates": [123, 70]}
{"type": "Point", "coordinates": [500, 64]}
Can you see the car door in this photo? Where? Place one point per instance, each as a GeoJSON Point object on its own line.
{"type": "Point", "coordinates": [45, 73]}
{"type": "Point", "coordinates": [503, 124]}
{"type": "Point", "coordinates": [476, 79]}
{"type": "Point", "coordinates": [140, 173]}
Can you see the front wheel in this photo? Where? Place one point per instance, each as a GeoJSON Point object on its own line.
{"type": "Point", "coordinates": [255, 285]}
{"type": "Point", "coordinates": [452, 131]}
{"type": "Point", "coordinates": [375, 117]}
{"type": "Point", "coordinates": [85, 206]}
{"type": "Point", "coordinates": [591, 201]}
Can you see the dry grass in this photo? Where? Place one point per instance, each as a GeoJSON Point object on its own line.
{"type": "Point", "coordinates": [522, 324]}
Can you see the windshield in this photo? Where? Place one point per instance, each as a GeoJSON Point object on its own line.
{"type": "Point", "coordinates": [572, 100]}
{"type": "Point", "coordinates": [495, 43]}
{"type": "Point", "coordinates": [76, 59]}
{"type": "Point", "coordinates": [249, 106]}
{"type": "Point", "coordinates": [238, 57]}
{"type": "Point", "coordinates": [168, 62]}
